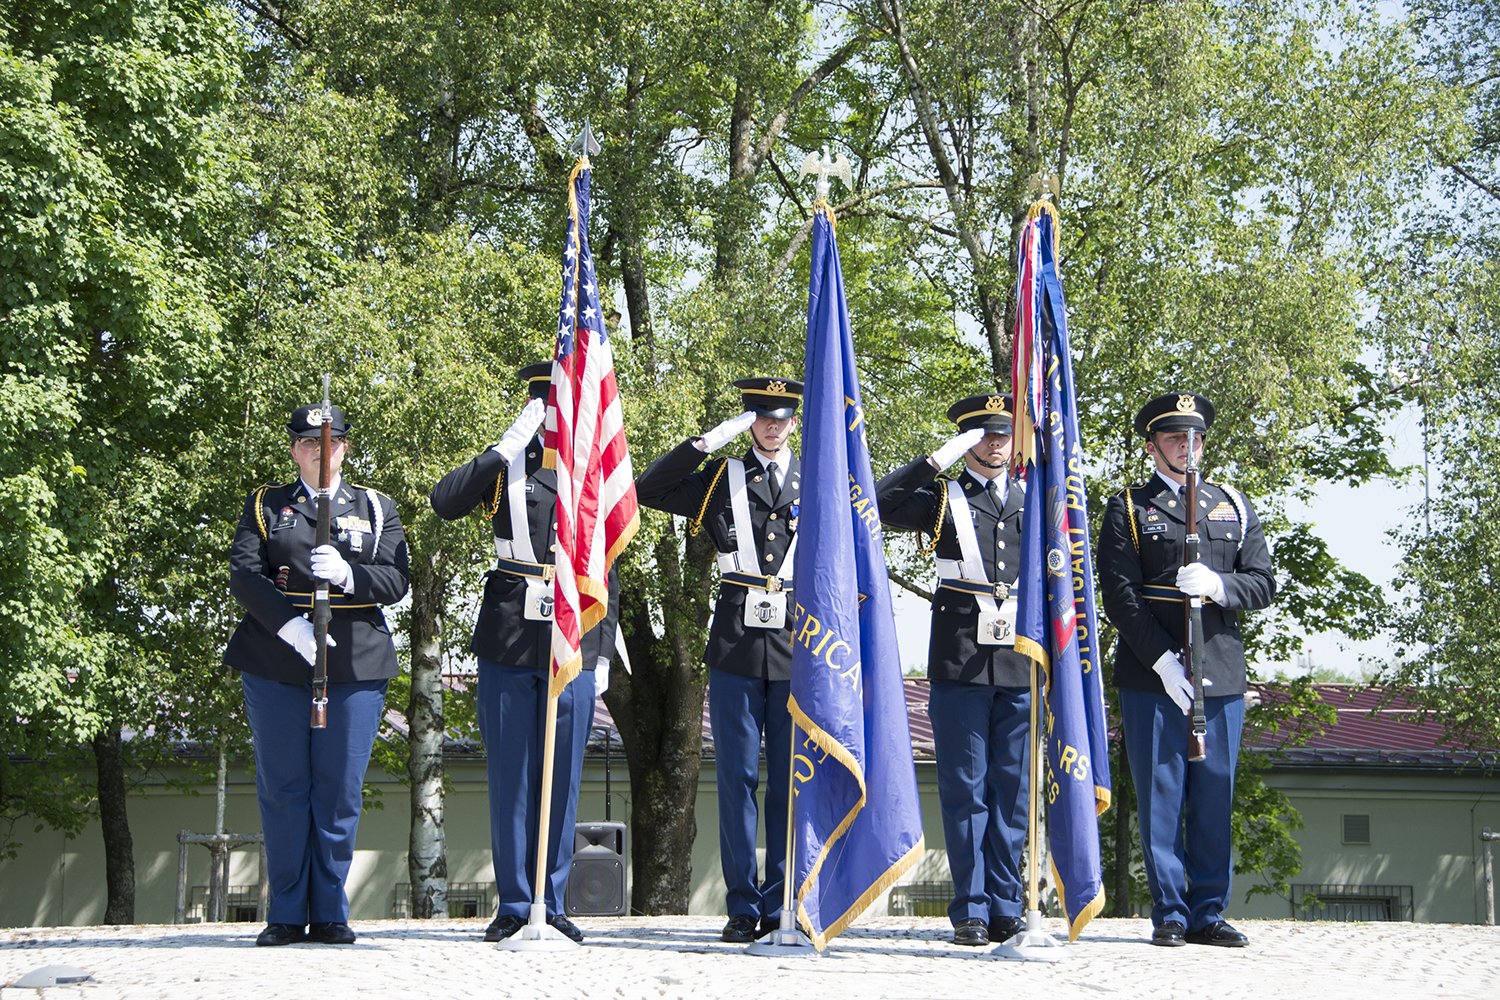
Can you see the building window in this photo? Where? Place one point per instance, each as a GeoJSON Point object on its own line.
{"type": "Point", "coordinates": [1356, 828]}
{"type": "Point", "coordinates": [1351, 902]}
{"type": "Point", "coordinates": [465, 899]}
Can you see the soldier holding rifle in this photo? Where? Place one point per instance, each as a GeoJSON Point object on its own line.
{"type": "Point", "coordinates": [1161, 669]}
{"type": "Point", "coordinates": [307, 776]}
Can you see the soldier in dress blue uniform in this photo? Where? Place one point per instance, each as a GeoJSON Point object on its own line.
{"type": "Point", "coordinates": [512, 641]}
{"type": "Point", "coordinates": [980, 686]}
{"type": "Point", "coordinates": [1183, 808]}
{"type": "Point", "coordinates": [749, 506]}
{"type": "Point", "coordinates": [307, 781]}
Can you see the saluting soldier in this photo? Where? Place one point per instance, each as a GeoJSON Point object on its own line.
{"type": "Point", "coordinates": [307, 781]}
{"type": "Point", "coordinates": [980, 695]}
{"type": "Point", "coordinates": [749, 506]}
{"type": "Point", "coordinates": [512, 641]}
{"type": "Point", "coordinates": [1183, 808]}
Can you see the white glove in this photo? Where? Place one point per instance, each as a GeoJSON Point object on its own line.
{"type": "Point", "coordinates": [1175, 679]}
{"type": "Point", "coordinates": [522, 431]}
{"type": "Point", "coordinates": [298, 633]}
{"type": "Point", "coordinates": [726, 432]}
{"type": "Point", "coordinates": [955, 446]}
{"type": "Point", "coordinates": [328, 565]}
{"type": "Point", "coordinates": [1197, 580]}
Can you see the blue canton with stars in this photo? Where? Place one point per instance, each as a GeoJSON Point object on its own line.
{"type": "Point", "coordinates": [592, 318]}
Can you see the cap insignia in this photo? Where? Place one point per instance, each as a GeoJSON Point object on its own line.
{"type": "Point", "coordinates": [776, 386]}
{"type": "Point", "coordinates": [1186, 404]}
{"type": "Point", "coordinates": [995, 404]}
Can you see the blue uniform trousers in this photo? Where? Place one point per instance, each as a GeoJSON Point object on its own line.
{"type": "Point", "coordinates": [979, 734]}
{"type": "Point", "coordinates": [740, 709]}
{"type": "Point", "coordinates": [1183, 809]}
{"type": "Point", "coordinates": [307, 782]}
{"type": "Point", "coordinates": [512, 708]}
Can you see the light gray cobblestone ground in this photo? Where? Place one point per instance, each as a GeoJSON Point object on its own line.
{"type": "Point", "coordinates": [670, 957]}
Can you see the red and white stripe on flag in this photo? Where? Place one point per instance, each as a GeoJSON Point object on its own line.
{"type": "Point", "coordinates": [585, 443]}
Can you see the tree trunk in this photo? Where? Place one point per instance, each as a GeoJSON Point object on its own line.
{"type": "Point", "coordinates": [658, 709]}
{"type": "Point", "coordinates": [119, 851]}
{"type": "Point", "coordinates": [427, 852]}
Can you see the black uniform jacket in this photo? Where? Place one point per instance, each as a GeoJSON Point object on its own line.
{"type": "Point", "coordinates": [279, 529]}
{"type": "Point", "coordinates": [1140, 551]}
{"type": "Point", "coordinates": [675, 484]}
{"type": "Point", "coordinates": [503, 633]}
{"type": "Point", "coordinates": [910, 498]}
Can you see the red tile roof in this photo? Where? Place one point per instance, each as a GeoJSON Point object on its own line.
{"type": "Point", "coordinates": [1373, 728]}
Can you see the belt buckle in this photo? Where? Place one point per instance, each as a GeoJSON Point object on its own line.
{"type": "Point", "coordinates": [773, 584]}
{"type": "Point", "coordinates": [1002, 590]}
{"type": "Point", "coordinates": [548, 571]}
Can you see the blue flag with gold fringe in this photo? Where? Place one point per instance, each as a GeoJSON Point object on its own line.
{"type": "Point", "coordinates": [1056, 621]}
{"type": "Point", "coordinates": [856, 820]}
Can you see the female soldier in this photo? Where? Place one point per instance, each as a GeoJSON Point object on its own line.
{"type": "Point", "coordinates": [307, 780]}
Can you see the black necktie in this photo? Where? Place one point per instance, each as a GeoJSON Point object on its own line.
{"type": "Point", "coordinates": [775, 485]}
{"type": "Point", "coordinates": [995, 497]}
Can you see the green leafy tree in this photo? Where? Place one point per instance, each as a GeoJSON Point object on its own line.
{"type": "Point", "coordinates": [1443, 320]}
{"type": "Point", "coordinates": [116, 172]}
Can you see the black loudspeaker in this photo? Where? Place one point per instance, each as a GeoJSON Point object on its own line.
{"type": "Point", "coordinates": [596, 882]}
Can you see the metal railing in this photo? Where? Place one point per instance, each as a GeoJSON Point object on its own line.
{"type": "Point", "coordinates": [1330, 901]}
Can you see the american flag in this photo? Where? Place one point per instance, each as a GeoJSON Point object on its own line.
{"type": "Point", "coordinates": [585, 443]}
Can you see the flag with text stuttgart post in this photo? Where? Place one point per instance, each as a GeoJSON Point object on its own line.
{"type": "Point", "coordinates": [585, 443]}
{"type": "Point", "coordinates": [1056, 622]}
{"type": "Point", "coordinates": [857, 825]}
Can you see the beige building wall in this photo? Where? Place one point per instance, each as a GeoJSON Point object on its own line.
{"type": "Point", "coordinates": [55, 881]}
{"type": "Point", "coordinates": [1424, 828]}
{"type": "Point", "coordinates": [1423, 831]}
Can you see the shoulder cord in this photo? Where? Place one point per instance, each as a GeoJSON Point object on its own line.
{"type": "Point", "coordinates": [696, 524]}
{"type": "Point", "coordinates": [491, 507]}
{"type": "Point", "coordinates": [937, 527]}
{"type": "Point", "coordinates": [260, 511]}
{"type": "Point", "coordinates": [1135, 535]}
{"type": "Point", "coordinates": [377, 518]}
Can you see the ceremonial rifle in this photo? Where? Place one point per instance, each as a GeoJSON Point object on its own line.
{"type": "Point", "coordinates": [322, 611]}
{"type": "Point", "coordinates": [1192, 610]}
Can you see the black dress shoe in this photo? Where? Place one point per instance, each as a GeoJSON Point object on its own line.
{"type": "Point", "coordinates": [333, 932]}
{"type": "Point", "coordinates": [1004, 928]}
{"type": "Point", "coordinates": [1219, 934]}
{"type": "Point", "coordinates": [739, 930]}
{"type": "Point", "coordinates": [568, 928]}
{"type": "Point", "coordinates": [503, 927]}
{"type": "Point", "coordinates": [971, 932]}
{"type": "Point", "coordinates": [1169, 935]}
{"type": "Point", "coordinates": [276, 935]}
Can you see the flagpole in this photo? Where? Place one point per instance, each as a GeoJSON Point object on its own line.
{"type": "Point", "coordinates": [538, 935]}
{"type": "Point", "coordinates": [786, 939]}
{"type": "Point", "coordinates": [1033, 944]}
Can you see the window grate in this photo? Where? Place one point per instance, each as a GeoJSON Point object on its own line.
{"type": "Point", "coordinates": [1351, 903]}
{"type": "Point", "coordinates": [465, 899]}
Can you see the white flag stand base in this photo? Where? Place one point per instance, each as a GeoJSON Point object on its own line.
{"type": "Point", "coordinates": [538, 935]}
{"type": "Point", "coordinates": [784, 942]}
{"type": "Point", "coordinates": [1034, 944]}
